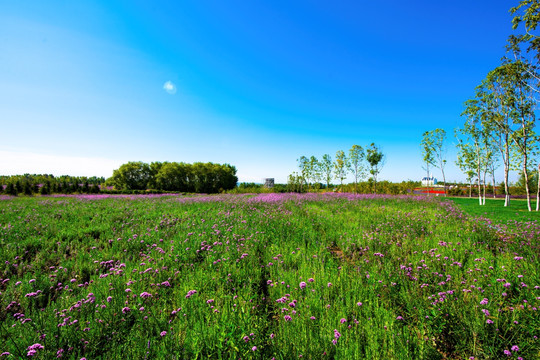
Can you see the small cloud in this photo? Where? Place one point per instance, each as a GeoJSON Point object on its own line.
{"type": "Point", "coordinates": [169, 87]}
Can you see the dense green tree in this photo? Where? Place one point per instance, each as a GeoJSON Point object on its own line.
{"type": "Point", "coordinates": [227, 177]}
{"type": "Point", "coordinates": [27, 188]}
{"type": "Point", "coordinates": [11, 189]}
{"type": "Point", "coordinates": [172, 177]}
{"type": "Point", "coordinates": [45, 188]}
{"type": "Point", "coordinates": [134, 175]}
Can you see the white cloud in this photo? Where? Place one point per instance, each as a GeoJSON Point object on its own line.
{"type": "Point", "coordinates": [169, 87]}
{"type": "Point", "coordinates": [18, 163]}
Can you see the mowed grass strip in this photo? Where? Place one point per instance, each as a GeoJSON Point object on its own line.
{"type": "Point", "coordinates": [495, 210]}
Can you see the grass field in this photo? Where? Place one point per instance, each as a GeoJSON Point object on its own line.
{"type": "Point", "coordinates": [279, 276]}
{"type": "Point", "coordinates": [495, 210]}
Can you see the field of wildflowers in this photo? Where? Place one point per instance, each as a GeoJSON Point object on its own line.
{"type": "Point", "coordinates": [265, 276]}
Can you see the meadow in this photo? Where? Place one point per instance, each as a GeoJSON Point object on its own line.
{"type": "Point", "coordinates": [284, 276]}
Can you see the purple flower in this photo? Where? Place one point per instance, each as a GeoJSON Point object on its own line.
{"type": "Point", "coordinates": [303, 285]}
{"type": "Point", "coordinates": [287, 318]}
{"type": "Point", "coordinates": [145, 295]}
{"type": "Point", "coordinates": [484, 301]}
{"type": "Point", "coordinates": [359, 303]}
{"type": "Point", "coordinates": [329, 284]}
{"type": "Point", "coordinates": [163, 333]}
{"type": "Point", "coordinates": [35, 347]}
{"type": "Point", "coordinates": [190, 293]}
{"type": "Point", "coordinates": [514, 348]}
{"type": "Point", "coordinates": [272, 335]}
{"type": "Point", "coordinates": [343, 321]}
{"type": "Point", "coordinates": [109, 299]}
{"type": "Point", "coordinates": [125, 310]}
{"type": "Point", "coordinates": [254, 348]}
{"type": "Point", "coordinates": [310, 280]}
{"type": "Point", "coordinates": [507, 353]}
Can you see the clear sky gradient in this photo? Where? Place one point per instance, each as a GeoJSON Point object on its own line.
{"type": "Point", "coordinates": [88, 85]}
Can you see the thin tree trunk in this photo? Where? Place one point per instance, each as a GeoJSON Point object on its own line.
{"type": "Point", "coordinates": [444, 182]}
{"type": "Point", "coordinates": [493, 178]}
{"type": "Point", "coordinates": [506, 171]}
{"type": "Point", "coordinates": [484, 199]}
{"type": "Point", "coordinates": [526, 182]}
{"type": "Point", "coordinates": [478, 175]}
{"type": "Point", "coordinates": [470, 187]}
{"type": "Point", "coordinates": [538, 190]}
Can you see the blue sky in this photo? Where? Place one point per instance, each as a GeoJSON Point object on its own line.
{"type": "Point", "coordinates": [88, 85]}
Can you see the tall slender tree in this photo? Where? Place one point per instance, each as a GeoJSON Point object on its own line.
{"type": "Point", "coordinates": [465, 161]}
{"type": "Point", "coordinates": [495, 101]}
{"type": "Point", "coordinates": [314, 170]}
{"type": "Point", "coordinates": [341, 167]}
{"type": "Point", "coordinates": [357, 156]}
{"type": "Point", "coordinates": [472, 132]}
{"type": "Point", "coordinates": [427, 153]}
{"type": "Point", "coordinates": [303, 165]}
{"type": "Point", "coordinates": [376, 160]}
{"type": "Point", "coordinates": [326, 167]}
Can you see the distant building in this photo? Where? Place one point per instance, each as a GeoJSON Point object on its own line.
{"type": "Point", "coordinates": [269, 182]}
{"type": "Point", "coordinates": [429, 181]}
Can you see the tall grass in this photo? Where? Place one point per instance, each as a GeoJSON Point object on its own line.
{"type": "Point", "coordinates": [263, 276]}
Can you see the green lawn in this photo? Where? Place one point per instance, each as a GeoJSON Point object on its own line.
{"type": "Point", "coordinates": [496, 211]}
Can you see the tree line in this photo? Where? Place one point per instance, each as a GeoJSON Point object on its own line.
{"type": "Point", "coordinates": [500, 119]}
{"type": "Point", "coordinates": [45, 184]}
{"type": "Point", "coordinates": [132, 177]}
{"type": "Point", "coordinates": [358, 161]}
{"type": "Point", "coordinates": [174, 176]}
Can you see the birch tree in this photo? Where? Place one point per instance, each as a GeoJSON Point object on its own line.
{"type": "Point", "coordinates": [427, 153]}
{"type": "Point", "coordinates": [434, 150]}
{"type": "Point", "coordinates": [341, 167]}
{"type": "Point", "coordinates": [496, 106]}
{"type": "Point", "coordinates": [357, 156]}
{"type": "Point", "coordinates": [474, 153]}
{"type": "Point", "coordinates": [465, 161]}
{"type": "Point", "coordinates": [326, 167]}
